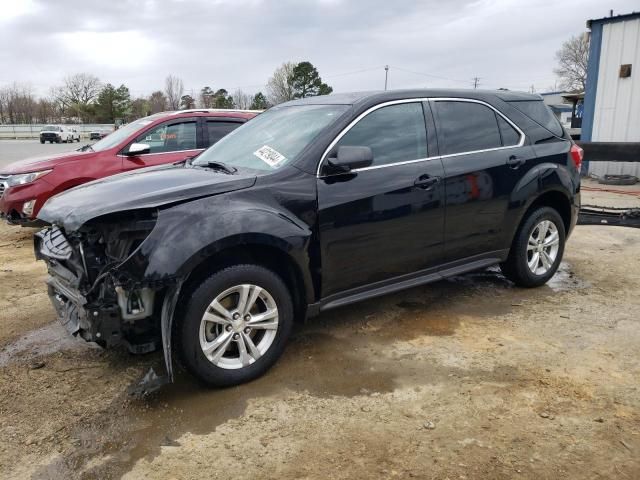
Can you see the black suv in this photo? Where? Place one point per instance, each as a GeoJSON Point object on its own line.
{"type": "Point", "coordinates": [315, 204]}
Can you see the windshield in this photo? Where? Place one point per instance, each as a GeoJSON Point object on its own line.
{"type": "Point", "coordinates": [50, 128]}
{"type": "Point", "coordinates": [273, 138]}
{"type": "Point", "coordinates": [122, 133]}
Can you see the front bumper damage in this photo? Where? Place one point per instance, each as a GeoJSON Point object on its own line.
{"type": "Point", "coordinates": [100, 296]}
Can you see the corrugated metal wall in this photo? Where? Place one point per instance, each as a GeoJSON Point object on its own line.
{"type": "Point", "coordinates": [617, 108]}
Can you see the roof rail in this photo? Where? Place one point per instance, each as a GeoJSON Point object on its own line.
{"type": "Point", "coordinates": [213, 110]}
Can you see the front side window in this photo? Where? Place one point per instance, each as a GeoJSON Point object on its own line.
{"type": "Point", "coordinates": [170, 137]}
{"type": "Point", "coordinates": [395, 133]}
{"type": "Point", "coordinates": [465, 127]}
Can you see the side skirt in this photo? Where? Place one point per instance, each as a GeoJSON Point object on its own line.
{"type": "Point", "coordinates": [403, 282]}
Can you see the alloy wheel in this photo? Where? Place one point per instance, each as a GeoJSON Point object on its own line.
{"type": "Point", "coordinates": [239, 326]}
{"type": "Point", "coordinates": [542, 247]}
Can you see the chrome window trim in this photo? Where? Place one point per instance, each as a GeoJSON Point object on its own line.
{"type": "Point", "coordinates": [436, 157]}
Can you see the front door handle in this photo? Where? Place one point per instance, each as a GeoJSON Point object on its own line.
{"type": "Point", "coordinates": [425, 182]}
{"type": "Point", "coordinates": [515, 162]}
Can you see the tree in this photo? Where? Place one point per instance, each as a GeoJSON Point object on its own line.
{"type": "Point", "coordinates": [207, 97]}
{"type": "Point", "coordinates": [279, 88]}
{"type": "Point", "coordinates": [241, 100]}
{"type": "Point", "coordinates": [174, 90]}
{"type": "Point", "coordinates": [113, 103]}
{"type": "Point", "coordinates": [157, 102]}
{"type": "Point", "coordinates": [572, 63]}
{"type": "Point", "coordinates": [81, 88]}
{"type": "Point", "coordinates": [140, 107]}
{"type": "Point", "coordinates": [187, 102]}
{"type": "Point", "coordinates": [222, 99]}
{"type": "Point", "coordinates": [259, 102]}
{"type": "Point", "coordinates": [306, 81]}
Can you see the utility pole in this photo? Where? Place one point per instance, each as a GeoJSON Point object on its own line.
{"type": "Point", "coordinates": [386, 75]}
{"type": "Point", "coordinates": [476, 81]}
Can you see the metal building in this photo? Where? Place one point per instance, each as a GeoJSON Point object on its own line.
{"type": "Point", "coordinates": [612, 96]}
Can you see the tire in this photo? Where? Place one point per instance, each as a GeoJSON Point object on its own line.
{"type": "Point", "coordinates": [42, 141]}
{"type": "Point", "coordinates": [193, 330]}
{"type": "Point", "coordinates": [58, 140]}
{"type": "Point", "coordinates": [516, 268]}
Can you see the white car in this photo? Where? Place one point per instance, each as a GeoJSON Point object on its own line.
{"type": "Point", "coordinates": [58, 134]}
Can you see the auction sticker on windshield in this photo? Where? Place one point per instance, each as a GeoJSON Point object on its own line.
{"type": "Point", "coordinates": [269, 156]}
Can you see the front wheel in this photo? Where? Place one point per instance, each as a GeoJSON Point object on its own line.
{"type": "Point", "coordinates": [537, 249]}
{"type": "Point", "coordinates": [236, 325]}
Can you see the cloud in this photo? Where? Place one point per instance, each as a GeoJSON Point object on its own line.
{"type": "Point", "coordinates": [238, 43]}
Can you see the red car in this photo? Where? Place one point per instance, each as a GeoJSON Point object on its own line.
{"type": "Point", "coordinates": [165, 137]}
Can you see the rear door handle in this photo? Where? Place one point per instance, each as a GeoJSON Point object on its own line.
{"type": "Point", "coordinates": [515, 162]}
{"type": "Point", "coordinates": [425, 182]}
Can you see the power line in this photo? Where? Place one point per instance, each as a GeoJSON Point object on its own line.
{"type": "Point", "coordinates": [431, 75]}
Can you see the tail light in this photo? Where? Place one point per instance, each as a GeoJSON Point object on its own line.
{"type": "Point", "coordinates": [577, 154]}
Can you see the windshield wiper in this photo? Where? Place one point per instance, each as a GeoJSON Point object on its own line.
{"type": "Point", "coordinates": [86, 147]}
{"type": "Point", "coordinates": [222, 167]}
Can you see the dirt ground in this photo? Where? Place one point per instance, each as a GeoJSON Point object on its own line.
{"type": "Point", "coordinates": [466, 378]}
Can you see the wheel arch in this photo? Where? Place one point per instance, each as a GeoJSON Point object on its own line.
{"type": "Point", "coordinates": [258, 251]}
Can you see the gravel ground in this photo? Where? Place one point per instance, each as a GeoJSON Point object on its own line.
{"type": "Point", "coordinates": [466, 378]}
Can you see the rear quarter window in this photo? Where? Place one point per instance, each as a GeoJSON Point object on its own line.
{"type": "Point", "coordinates": [537, 111]}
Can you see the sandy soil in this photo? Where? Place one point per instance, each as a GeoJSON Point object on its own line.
{"type": "Point", "coordinates": [467, 378]}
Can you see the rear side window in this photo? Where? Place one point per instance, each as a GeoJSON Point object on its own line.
{"type": "Point", "coordinates": [216, 130]}
{"type": "Point", "coordinates": [510, 135]}
{"type": "Point", "coordinates": [537, 111]}
{"type": "Point", "coordinates": [466, 127]}
{"type": "Point", "coordinates": [396, 133]}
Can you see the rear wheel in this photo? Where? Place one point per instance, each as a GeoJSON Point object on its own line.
{"type": "Point", "coordinates": [236, 325]}
{"type": "Point", "coordinates": [537, 249]}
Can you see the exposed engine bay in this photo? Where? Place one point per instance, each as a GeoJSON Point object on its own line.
{"type": "Point", "coordinates": [93, 295]}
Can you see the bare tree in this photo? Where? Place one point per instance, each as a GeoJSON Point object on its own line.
{"type": "Point", "coordinates": [81, 88]}
{"type": "Point", "coordinates": [17, 104]}
{"type": "Point", "coordinates": [174, 90]}
{"type": "Point", "coordinates": [242, 100]}
{"type": "Point", "coordinates": [157, 102]}
{"type": "Point", "coordinates": [572, 63]}
{"type": "Point", "coordinates": [279, 86]}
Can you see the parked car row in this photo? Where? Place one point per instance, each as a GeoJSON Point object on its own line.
{"type": "Point", "coordinates": [315, 204]}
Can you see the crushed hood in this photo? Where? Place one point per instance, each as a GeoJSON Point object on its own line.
{"type": "Point", "coordinates": [144, 188]}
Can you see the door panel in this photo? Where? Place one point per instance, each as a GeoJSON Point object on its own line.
{"type": "Point", "coordinates": [385, 220]}
{"type": "Point", "coordinates": [376, 224]}
{"type": "Point", "coordinates": [482, 166]}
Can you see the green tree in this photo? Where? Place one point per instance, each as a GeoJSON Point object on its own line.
{"type": "Point", "coordinates": [222, 99]}
{"type": "Point", "coordinates": [306, 81]}
{"type": "Point", "coordinates": [187, 102]}
{"type": "Point", "coordinates": [207, 97]}
{"type": "Point", "coordinates": [113, 103]}
{"type": "Point", "coordinates": [259, 102]}
{"type": "Point", "coordinates": [140, 107]}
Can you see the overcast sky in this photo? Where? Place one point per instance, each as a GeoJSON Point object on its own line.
{"type": "Point", "coordinates": [238, 43]}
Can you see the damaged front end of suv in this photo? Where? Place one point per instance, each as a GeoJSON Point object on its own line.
{"type": "Point", "coordinates": [113, 280]}
{"type": "Point", "coordinates": [95, 292]}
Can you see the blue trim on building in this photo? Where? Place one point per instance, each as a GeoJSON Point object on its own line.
{"type": "Point", "coordinates": [593, 67]}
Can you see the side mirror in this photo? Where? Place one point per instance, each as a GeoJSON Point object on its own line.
{"type": "Point", "coordinates": [349, 158]}
{"type": "Point", "coordinates": [138, 149]}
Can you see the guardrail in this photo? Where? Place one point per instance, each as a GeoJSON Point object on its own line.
{"type": "Point", "coordinates": [32, 131]}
